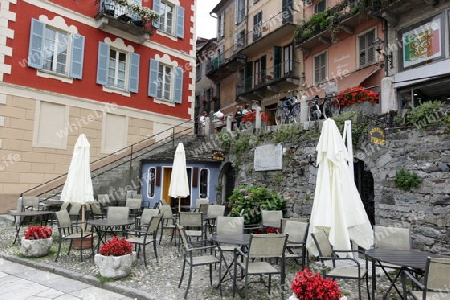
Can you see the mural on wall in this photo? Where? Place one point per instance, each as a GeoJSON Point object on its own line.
{"type": "Point", "coordinates": [423, 43]}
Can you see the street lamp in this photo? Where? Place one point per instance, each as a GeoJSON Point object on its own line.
{"type": "Point", "coordinates": [379, 45]}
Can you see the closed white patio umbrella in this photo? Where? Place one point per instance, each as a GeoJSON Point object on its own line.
{"type": "Point", "coordinates": [78, 186]}
{"type": "Point", "coordinates": [337, 206]}
{"type": "Point", "coordinates": [179, 184]}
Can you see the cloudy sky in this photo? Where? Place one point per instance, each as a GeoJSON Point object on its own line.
{"type": "Point", "coordinates": [205, 24]}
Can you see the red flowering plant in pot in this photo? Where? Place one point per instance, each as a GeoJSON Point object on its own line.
{"type": "Point", "coordinates": [251, 117]}
{"type": "Point", "coordinates": [312, 286]}
{"type": "Point", "coordinates": [115, 258]}
{"type": "Point", "coordinates": [357, 94]}
{"type": "Point", "coordinates": [36, 241]}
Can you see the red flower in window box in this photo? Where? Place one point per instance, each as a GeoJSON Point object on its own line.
{"type": "Point", "coordinates": [357, 94]}
{"type": "Point", "coordinates": [251, 117]}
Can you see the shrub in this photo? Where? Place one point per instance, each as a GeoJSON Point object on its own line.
{"type": "Point", "coordinates": [406, 180]}
{"type": "Point", "coordinates": [116, 247]}
{"type": "Point", "coordinates": [248, 202]}
{"type": "Point", "coordinates": [38, 232]}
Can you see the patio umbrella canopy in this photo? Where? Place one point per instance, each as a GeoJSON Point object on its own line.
{"type": "Point", "coordinates": [337, 206]}
{"type": "Point", "coordinates": [179, 185]}
{"type": "Point", "coordinates": [78, 186]}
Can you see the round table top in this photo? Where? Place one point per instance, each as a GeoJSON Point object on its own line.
{"type": "Point", "coordinates": [108, 222]}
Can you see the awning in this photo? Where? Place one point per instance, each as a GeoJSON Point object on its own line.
{"type": "Point", "coordinates": [355, 78]}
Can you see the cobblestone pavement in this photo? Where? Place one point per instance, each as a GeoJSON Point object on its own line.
{"type": "Point", "coordinates": [160, 280]}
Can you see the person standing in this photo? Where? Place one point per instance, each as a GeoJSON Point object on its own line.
{"type": "Point", "coordinates": [202, 121]}
{"type": "Point", "coordinates": [246, 109]}
{"type": "Point", "coordinates": [238, 116]}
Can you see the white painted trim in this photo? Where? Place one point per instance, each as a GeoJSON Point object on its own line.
{"type": "Point", "coordinates": [37, 116]}
{"type": "Point", "coordinates": [48, 74]}
{"type": "Point", "coordinates": [123, 139]}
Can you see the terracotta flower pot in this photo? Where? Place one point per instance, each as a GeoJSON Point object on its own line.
{"type": "Point", "coordinates": [115, 266]}
{"type": "Point", "coordinates": [35, 248]}
{"type": "Point", "coordinates": [87, 243]}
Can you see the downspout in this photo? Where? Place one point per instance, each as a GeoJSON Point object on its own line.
{"type": "Point", "coordinates": [386, 46]}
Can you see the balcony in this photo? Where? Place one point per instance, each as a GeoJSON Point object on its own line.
{"type": "Point", "coordinates": [271, 78]}
{"type": "Point", "coordinates": [324, 27]}
{"type": "Point", "coordinates": [224, 65]}
{"type": "Point", "coordinates": [114, 16]}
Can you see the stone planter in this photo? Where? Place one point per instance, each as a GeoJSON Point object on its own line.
{"type": "Point", "coordinates": [114, 266]}
{"type": "Point", "coordinates": [35, 248]}
{"type": "Point", "coordinates": [293, 297]}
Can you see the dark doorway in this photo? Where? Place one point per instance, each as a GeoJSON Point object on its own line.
{"type": "Point", "coordinates": [230, 178]}
{"type": "Point", "coordinates": [364, 184]}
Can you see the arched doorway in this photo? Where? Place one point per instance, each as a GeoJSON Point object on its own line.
{"type": "Point", "coordinates": [364, 184]}
{"type": "Point", "coordinates": [228, 179]}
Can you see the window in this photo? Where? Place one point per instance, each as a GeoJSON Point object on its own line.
{"type": "Point", "coordinates": [55, 50]}
{"type": "Point", "coordinates": [221, 24]}
{"type": "Point", "coordinates": [366, 48]}
{"type": "Point", "coordinates": [260, 70]}
{"type": "Point", "coordinates": [151, 182]}
{"type": "Point", "coordinates": [320, 67]}
{"type": "Point", "coordinates": [204, 180]}
{"type": "Point", "coordinates": [166, 81]}
{"type": "Point", "coordinates": [239, 11]}
{"type": "Point", "coordinates": [171, 18]}
{"type": "Point", "coordinates": [198, 71]}
{"type": "Point", "coordinates": [117, 68]}
{"type": "Point", "coordinates": [287, 7]}
{"type": "Point", "coordinates": [51, 127]}
{"type": "Point", "coordinates": [257, 23]}
{"type": "Point", "coordinates": [288, 58]}
{"type": "Point", "coordinates": [320, 6]}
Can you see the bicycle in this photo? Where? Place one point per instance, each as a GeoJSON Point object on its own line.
{"type": "Point", "coordinates": [289, 111]}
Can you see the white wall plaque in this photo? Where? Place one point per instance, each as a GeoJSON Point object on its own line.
{"type": "Point", "coordinates": [268, 157]}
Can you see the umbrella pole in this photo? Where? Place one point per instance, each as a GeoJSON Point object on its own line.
{"type": "Point", "coordinates": [83, 217]}
{"type": "Point", "coordinates": [179, 204]}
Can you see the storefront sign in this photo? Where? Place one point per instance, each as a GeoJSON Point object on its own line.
{"type": "Point", "coordinates": [377, 135]}
{"type": "Point", "coordinates": [218, 155]}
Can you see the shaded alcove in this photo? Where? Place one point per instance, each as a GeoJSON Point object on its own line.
{"type": "Point", "coordinates": [365, 186]}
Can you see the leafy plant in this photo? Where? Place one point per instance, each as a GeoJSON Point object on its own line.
{"type": "Point", "coordinates": [357, 94]}
{"type": "Point", "coordinates": [406, 180]}
{"type": "Point", "coordinates": [248, 202]}
{"type": "Point", "coordinates": [116, 247]}
{"type": "Point", "coordinates": [286, 133]}
{"type": "Point", "coordinates": [424, 114]}
{"type": "Point", "coordinates": [38, 232]}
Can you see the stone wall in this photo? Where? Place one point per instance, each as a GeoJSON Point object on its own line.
{"type": "Point", "coordinates": [425, 209]}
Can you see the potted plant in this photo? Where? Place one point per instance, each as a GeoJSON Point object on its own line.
{"type": "Point", "coordinates": [36, 241]}
{"type": "Point", "coordinates": [357, 94]}
{"type": "Point", "coordinates": [115, 258]}
{"type": "Point", "coordinates": [312, 286]}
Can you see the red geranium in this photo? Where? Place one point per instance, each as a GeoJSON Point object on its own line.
{"type": "Point", "coordinates": [357, 94]}
{"type": "Point", "coordinates": [309, 286]}
{"type": "Point", "coordinates": [251, 117]}
{"type": "Point", "coordinates": [38, 232]}
{"type": "Point", "coordinates": [116, 247]}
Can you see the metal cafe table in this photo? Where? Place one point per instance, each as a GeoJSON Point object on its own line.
{"type": "Point", "coordinates": [18, 215]}
{"type": "Point", "coordinates": [239, 240]}
{"type": "Point", "coordinates": [103, 226]}
{"type": "Point", "coordinates": [413, 260]}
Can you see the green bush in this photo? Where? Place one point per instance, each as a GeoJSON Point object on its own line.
{"type": "Point", "coordinates": [406, 180]}
{"type": "Point", "coordinates": [249, 201]}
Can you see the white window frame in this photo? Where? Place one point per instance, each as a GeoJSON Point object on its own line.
{"type": "Point", "coordinates": [316, 6]}
{"type": "Point", "coordinates": [163, 20]}
{"type": "Point", "coordinates": [164, 80]}
{"type": "Point", "coordinates": [116, 70]}
{"type": "Point", "coordinates": [288, 58]}
{"type": "Point", "coordinates": [207, 182]}
{"type": "Point", "coordinates": [320, 80]}
{"type": "Point", "coordinates": [57, 40]}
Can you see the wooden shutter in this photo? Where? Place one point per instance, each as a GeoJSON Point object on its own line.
{"type": "Point", "coordinates": [178, 87]}
{"type": "Point", "coordinates": [195, 178]}
{"type": "Point", "coordinates": [77, 50]}
{"type": "Point", "coordinates": [370, 47]}
{"type": "Point", "coordinates": [102, 66]}
{"type": "Point", "coordinates": [153, 78]}
{"type": "Point", "coordinates": [277, 62]}
{"type": "Point", "coordinates": [158, 176]}
{"type": "Point", "coordinates": [36, 44]}
{"type": "Point", "coordinates": [362, 50]}
{"type": "Point", "coordinates": [133, 83]}
{"type": "Point", "coordinates": [180, 22]}
{"type": "Point", "coordinates": [157, 9]}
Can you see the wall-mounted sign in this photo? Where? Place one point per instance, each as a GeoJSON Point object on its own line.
{"type": "Point", "coordinates": [268, 157]}
{"type": "Point", "coordinates": [377, 135]}
{"type": "Point", "coordinates": [218, 155]}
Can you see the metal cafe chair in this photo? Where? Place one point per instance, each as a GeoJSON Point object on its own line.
{"type": "Point", "coordinates": [256, 261]}
{"type": "Point", "coordinates": [167, 221]}
{"type": "Point", "coordinates": [352, 270]}
{"type": "Point", "coordinates": [436, 280]}
{"type": "Point", "coordinates": [194, 256]}
{"type": "Point", "coordinates": [296, 244]}
{"type": "Point", "coordinates": [271, 218]}
{"type": "Point", "coordinates": [144, 237]}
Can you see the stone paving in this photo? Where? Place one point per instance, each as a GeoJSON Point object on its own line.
{"type": "Point", "coordinates": [158, 280]}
